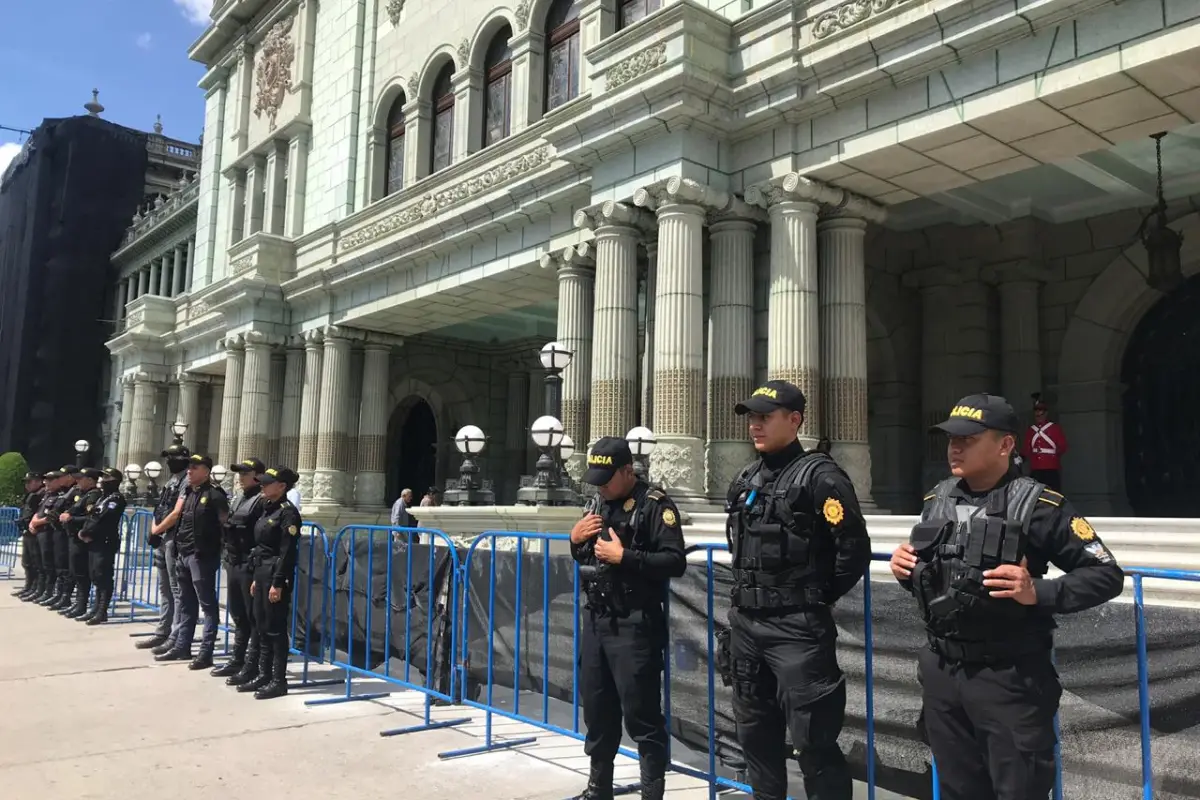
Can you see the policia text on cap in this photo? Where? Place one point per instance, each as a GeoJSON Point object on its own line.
{"type": "Point", "coordinates": [976, 564]}
{"type": "Point", "coordinates": [799, 543]}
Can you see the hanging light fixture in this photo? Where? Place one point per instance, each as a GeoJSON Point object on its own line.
{"type": "Point", "coordinates": [1163, 244]}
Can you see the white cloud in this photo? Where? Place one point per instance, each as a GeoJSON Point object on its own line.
{"type": "Point", "coordinates": [8, 151]}
{"type": "Point", "coordinates": [144, 41]}
{"type": "Point", "coordinates": [196, 11]}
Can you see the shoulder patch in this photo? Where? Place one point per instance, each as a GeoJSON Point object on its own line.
{"type": "Point", "coordinates": [656, 494]}
{"type": "Point", "coordinates": [833, 511]}
{"type": "Point", "coordinates": [929, 497]}
{"type": "Point", "coordinates": [90, 506]}
{"type": "Point", "coordinates": [112, 505]}
{"type": "Point", "coordinates": [1082, 529]}
{"type": "Point", "coordinates": [629, 504]}
{"type": "Point", "coordinates": [669, 519]}
{"type": "Point", "coordinates": [293, 530]}
{"type": "Point", "coordinates": [203, 500]}
{"type": "Point", "coordinates": [76, 498]}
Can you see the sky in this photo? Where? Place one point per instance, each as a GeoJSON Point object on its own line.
{"type": "Point", "coordinates": [54, 52]}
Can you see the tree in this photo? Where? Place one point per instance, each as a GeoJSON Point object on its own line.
{"type": "Point", "coordinates": [12, 479]}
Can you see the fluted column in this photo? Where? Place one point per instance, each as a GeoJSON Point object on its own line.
{"type": "Point", "coordinates": [255, 413]}
{"type": "Point", "coordinates": [235, 185]}
{"type": "Point", "coordinates": [156, 276]}
{"type": "Point", "coordinates": [843, 295]}
{"type": "Point", "coordinates": [370, 483]}
{"type": "Point", "coordinates": [126, 426]}
{"type": "Point", "coordinates": [297, 162]}
{"type": "Point", "coordinates": [293, 389]}
{"type": "Point", "coordinates": [310, 410]}
{"type": "Point", "coordinates": [141, 427]}
{"type": "Point", "coordinates": [256, 179]}
{"type": "Point", "coordinates": [331, 485]}
{"type": "Point", "coordinates": [576, 294]}
{"type": "Point", "coordinates": [275, 200]}
{"type": "Point", "coordinates": [614, 334]}
{"type": "Point", "coordinates": [189, 409]}
{"type": "Point", "coordinates": [730, 344]}
{"type": "Point", "coordinates": [179, 271]}
{"type": "Point", "coordinates": [231, 400]}
{"type": "Point", "coordinates": [191, 259]}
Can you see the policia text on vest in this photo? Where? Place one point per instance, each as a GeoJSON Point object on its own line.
{"type": "Point", "coordinates": [976, 564]}
{"type": "Point", "coordinates": [799, 543]}
{"type": "Point", "coordinates": [628, 545]}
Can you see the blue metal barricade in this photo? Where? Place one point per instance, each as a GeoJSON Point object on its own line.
{"type": "Point", "coordinates": [390, 555]}
{"type": "Point", "coordinates": [310, 590]}
{"type": "Point", "coordinates": [10, 542]}
{"type": "Point", "coordinates": [136, 576]}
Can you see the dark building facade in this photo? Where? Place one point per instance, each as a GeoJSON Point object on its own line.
{"type": "Point", "coordinates": [65, 203]}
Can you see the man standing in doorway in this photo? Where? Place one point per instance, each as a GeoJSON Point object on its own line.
{"type": "Point", "coordinates": [1044, 446]}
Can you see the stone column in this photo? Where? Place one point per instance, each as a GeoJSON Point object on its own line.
{"type": "Point", "coordinates": [141, 426]}
{"type": "Point", "coordinates": [467, 85]}
{"type": "Point", "coordinates": [256, 180]}
{"type": "Point", "coordinates": [293, 389]}
{"type": "Point", "coordinates": [331, 484]}
{"type": "Point", "coordinates": [130, 291]}
{"type": "Point", "coordinates": [254, 424]}
{"type": "Point", "coordinates": [576, 294]}
{"type": "Point", "coordinates": [180, 270]}
{"type": "Point", "coordinates": [515, 433]}
{"type": "Point", "coordinates": [155, 275]}
{"type": "Point", "coordinates": [231, 400]}
{"type": "Point", "coordinates": [614, 336]}
{"type": "Point", "coordinates": [236, 186]}
{"type": "Point", "coordinates": [274, 200]}
{"type": "Point", "coordinates": [126, 426]}
{"type": "Point", "coordinates": [678, 461]}
{"type": "Point", "coordinates": [647, 375]}
{"type": "Point", "coordinates": [371, 482]}
{"type": "Point", "coordinates": [189, 409]}
{"type": "Point", "coordinates": [297, 180]}
{"type": "Point", "coordinates": [843, 295]}
{"type": "Point", "coordinates": [730, 344]}
{"type": "Point", "coordinates": [1020, 346]}
{"type": "Point", "coordinates": [191, 259]}
{"type": "Point", "coordinates": [310, 410]}
{"type": "Point", "coordinates": [143, 281]}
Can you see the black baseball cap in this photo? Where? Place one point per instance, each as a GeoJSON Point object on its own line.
{"type": "Point", "coordinates": [176, 451]}
{"type": "Point", "coordinates": [607, 455]}
{"type": "Point", "coordinates": [249, 465]}
{"type": "Point", "coordinates": [199, 460]}
{"type": "Point", "coordinates": [111, 474]}
{"type": "Point", "coordinates": [770, 396]}
{"type": "Point", "coordinates": [70, 469]}
{"type": "Point", "coordinates": [977, 413]}
{"type": "Point", "coordinates": [284, 475]}
{"type": "Point", "coordinates": [54, 475]}
{"type": "Point", "coordinates": [34, 476]}
{"type": "Point", "coordinates": [90, 472]}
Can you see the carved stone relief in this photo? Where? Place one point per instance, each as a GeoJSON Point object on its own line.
{"type": "Point", "coordinates": [274, 71]}
{"type": "Point", "coordinates": [394, 9]}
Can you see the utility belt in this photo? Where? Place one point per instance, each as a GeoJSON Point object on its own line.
{"type": "Point", "coordinates": [988, 652]}
{"type": "Point", "coordinates": [610, 595]}
{"type": "Point", "coordinates": [258, 560]}
{"type": "Point", "coordinates": [756, 589]}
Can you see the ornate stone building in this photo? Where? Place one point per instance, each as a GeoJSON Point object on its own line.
{"type": "Point", "coordinates": [890, 203]}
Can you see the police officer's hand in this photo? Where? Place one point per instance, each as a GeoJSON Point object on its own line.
{"type": "Point", "coordinates": [252, 585]}
{"type": "Point", "coordinates": [83, 538]}
{"type": "Point", "coordinates": [904, 559]}
{"type": "Point", "coordinates": [64, 517]}
{"type": "Point", "coordinates": [1011, 580]}
{"type": "Point", "coordinates": [275, 595]}
{"type": "Point", "coordinates": [586, 528]}
{"type": "Point", "coordinates": [610, 550]}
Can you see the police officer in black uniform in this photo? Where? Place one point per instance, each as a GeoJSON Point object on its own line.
{"type": "Point", "coordinates": [162, 539]}
{"type": "Point", "coordinates": [244, 512]}
{"type": "Point", "coordinates": [799, 543]}
{"type": "Point", "coordinates": [199, 517]}
{"type": "Point", "coordinates": [628, 545]}
{"type": "Point", "coordinates": [976, 564]}
{"type": "Point", "coordinates": [273, 560]}
{"type": "Point", "coordinates": [87, 493]}
{"type": "Point", "coordinates": [102, 532]}
{"type": "Point", "coordinates": [31, 553]}
{"type": "Point", "coordinates": [56, 482]}
{"type": "Point", "coordinates": [60, 541]}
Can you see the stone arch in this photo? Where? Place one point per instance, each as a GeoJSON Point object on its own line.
{"type": "Point", "coordinates": [433, 66]}
{"type": "Point", "coordinates": [482, 39]}
{"type": "Point", "coordinates": [452, 404]}
{"type": "Point", "coordinates": [1087, 397]}
{"type": "Point", "coordinates": [394, 90]}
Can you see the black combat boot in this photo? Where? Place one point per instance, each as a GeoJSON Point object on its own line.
{"type": "Point", "coordinates": [80, 607]}
{"type": "Point", "coordinates": [52, 594]}
{"type": "Point", "coordinates": [278, 687]}
{"type": "Point", "coordinates": [653, 781]}
{"type": "Point", "coordinates": [40, 590]}
{"type": "Point", "coordinates": [600, 783]}
{"type": "Point", "coordinates": [249, 669]}
{"type": "Point", "coordinates": [151, 643]}
{"type": "Point", "coordinates": [203, 659]}
{"type": "Point", "coordinates": [64, 596]}
{"type": "Point", "coordinates": [236, 662]}
{"type": "Point", "coordinates": [175, 653]}
{"type": "Point", "coordinates": [94, 609]}
{"type": "Point", "coordinates": [32, 580]}
{"type": "Point", "coordinates": [100, 612]}
{"type": "Point", "coordinates": [264, 669]}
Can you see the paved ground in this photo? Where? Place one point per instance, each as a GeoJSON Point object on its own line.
{"type": "Point", "coordinates": [86, 716]}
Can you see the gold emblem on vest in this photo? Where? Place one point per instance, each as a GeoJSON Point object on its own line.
{"type": "Point", "coordinates": [629, 504]}
{"type": "Point", "coordinates": [833, 511]}
{"type": "Point", "coordinates": [669, 518]}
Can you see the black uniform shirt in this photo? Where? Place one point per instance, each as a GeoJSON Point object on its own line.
{"type": "Point", "coordinates": [81, 505]}
{"type": "Point", "coordinates": [168, 497]}
{"type": "Point", "coordinates": [62, 501]}
{"type": "Point", "coordinates": [275, 536]}
{"type": "Point", "coordinates": [239, 528]}
{"type": "Point", "coordinates": [199, 527]}
{"type": "Point", "coordinates": [655, 552]}
{"type": "Point", "coordinates": [49, 501]}
{"type": "Point", "coordinates": [103, 523]}
{"type": "Point", "coordinates": [33, 502]}
{"type": "Point", "coordinates": [1058, 535]}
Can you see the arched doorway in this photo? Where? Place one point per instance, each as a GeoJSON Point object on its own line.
{"type": "Point", "coordinates": [412, 448]}
{"type": "Point", "coordinates": [1161, 374]}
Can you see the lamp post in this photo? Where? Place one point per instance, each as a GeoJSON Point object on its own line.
{"type": "Point", "coordinates": [555, 358]}
{"type": "Point", "coordinates": [218, 473]}
{"type": "Point", "coordinates": [132, 472]}
{"type": "Point", "coordinates": [547, 490]}
{"type": "Point", "coordinates": [641, 443]}
{"type": "Point", "coordinates": [470, 441]}
{"type": "Point", "coordinates": [81, 447]}
{"type": "Point", "coordinates": [179, 428]}
{"type": "Point", "coordinates": [1164, 268]}
{"type": "Point", "coordinates": [153, 470]}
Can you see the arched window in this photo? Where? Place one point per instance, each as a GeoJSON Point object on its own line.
{"type": "Point", "coordinates": [443, 120]}
{"type": "Point", "coordinates": [395, 147]}
{"type": "Point", "coordinates": [633, 10]}
{"type": "Point", "coordinates": [497, 100]}
{"type": "Point", "coordinates": [562, 62]}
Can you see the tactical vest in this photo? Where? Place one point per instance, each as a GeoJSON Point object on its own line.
{"type": "Point", "coordinates": [956, 544]}
{"type": "Point", "coordinates": [778, 561]}
{"type": "Point", "coordinates": [604, 586]}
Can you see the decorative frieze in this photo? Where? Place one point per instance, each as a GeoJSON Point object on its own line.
{"type": "Point", "coordinates": [241, 265]}
{"type": "Point", "coordinates": [636, 65]}
{"type": "Point", "coordinates": [523, 14]}
{"type": "Point", "coordinates": [274, 70]}
{"type": "Point", "coordinates": [847, 15]}
{"type": "Point", "coordinates": [437, 202]}
{"type": "Point", "coordinates": [394, 9]}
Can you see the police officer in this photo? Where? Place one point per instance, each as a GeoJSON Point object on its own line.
{"type": "Point", "coordinates": [799, 543]}
{"type": "Point", "coordinates": [60, 555]}
{"type": "Point", "coordinates": [629, 545]}
{"type": "Point", "coordinates": [87, 494]}
{"type": "Point", "coordinates": [31, 553]}
{"type": "Point", "coordinates": [244, 512]}
{"type": "Point", "coordinates": [162, 539]}
{"type": "Point", "coordinates": [102, 532]}
{"type": "Point", "coordinates": [976, 564]}
{"type": "Point", "coordinates": [199, 516]}
{"type": "Point", "coordinates": [276, 535]}
{"type": "Point", "coordinates": [55, 483]}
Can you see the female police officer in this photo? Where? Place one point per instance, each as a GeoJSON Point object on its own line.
{"type": "Point", "coordinates": [102, 532]}
{"type": "Point", "coordinates": [274, 563]}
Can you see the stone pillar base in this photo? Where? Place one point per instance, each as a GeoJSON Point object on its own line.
{"type": "Point", "coordinates": [724, 461]}
{"type": "Point", "coordinates": [305, 485]}
{"type": "Point", "coordinates": [855, 459]}
{"type": "Point", "coordinates": [331, 487]}
{"type": "Point", "coordinates": [677, 464]}
{"type": "Point", "coordinates": [369, 488]}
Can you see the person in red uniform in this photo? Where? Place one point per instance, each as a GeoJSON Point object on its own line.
{"type": "Point", "coordinates": [1044, 446]}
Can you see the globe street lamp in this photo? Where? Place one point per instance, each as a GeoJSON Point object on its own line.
{"type": "Point", "coordinates": [153, 470]}
{"type": "Point", "coordinates": [81, 447]}
{"type": "Point", "coordinates": [555, 358]}
{"type": "Point", "coordinates": [132, 472]}
{"type": "Point", "coordinates": [218, 473]}
{"type": "Point", "coordinates": [641, 443]}
{"type": "Point", "coordinates": [179, 428]}
{"type": "Point", "coordinates": [547, 433]}
{"type": "Point", "coordinates": [470, 441]}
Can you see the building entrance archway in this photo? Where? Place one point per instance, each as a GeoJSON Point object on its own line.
{"type": "Point", "coordinates": [1161, 375]}
{"type": "Point", "coordinates": [412, 448]}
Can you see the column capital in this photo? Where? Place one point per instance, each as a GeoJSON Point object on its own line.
{"type": "Point", "coordinates": [262, 338]}
{"type": "Point", "coordinates": [294, 341]}
{"type": "Point", "coordinates": [794, 187]}
{"type": "Point", "coordinates": [841, 221]}
{"type": "Point", "coordinates": [143, 377]}
{"type": "Point", "coordinates": [334, 332]}
{"type": "Point", "coordinates": [234, 341]}
{"type": "Point", "coordinates": [577, 257]}
{"type": "Point", "coordinates": [1019, 270]}
{"type": "Point", "coordinates": [610, 213]}
{"type": "Point", "coordinates": [381, 341]}
{"type": "Point", "coordinates": [738, 212]}
{"type": "Point", "coordinates": [679, 190]}
{"type": "Point", "coordinates": [313, 338]}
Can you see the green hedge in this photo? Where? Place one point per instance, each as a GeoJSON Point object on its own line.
{"type": "Point", "coordinates": [12, 479]}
